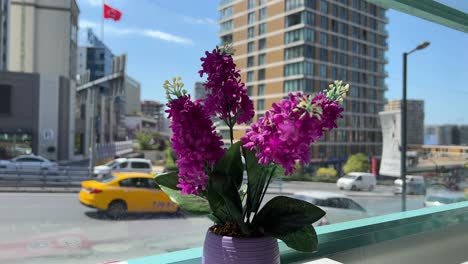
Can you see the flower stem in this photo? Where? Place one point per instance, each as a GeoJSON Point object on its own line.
{"type": "Point", "coordinates": [264, 191]}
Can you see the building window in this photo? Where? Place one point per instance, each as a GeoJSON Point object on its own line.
{"type": "Point", "coordinates": [261, 74]}
{"type": "Point", "coordinates": [226, 12]}
{"type": "Point", "coordinates": [250, 47]}
{"type": "Point", "coordinates": [324, 22]}
{"type": "Point", "coordinates": [260, 104]}
{"type": "Point", "coordinates": [250, 75]}
{"type": "Point", "coordinates": [261, 29]}
{"type": "Point", "coordinates": [262, 14]}
{"type": "Point", "coordinates": [225, 26]}
{"type": "Point", "coordinates": [323, 71]}
{"type": "Point", "coordinates": [261, 59]}
{"type": "Point", "coordinates": [250, 61]}
{"type": "Point", "coordinates": [5, 99]}
{"type": "Point", "coordinates": [249, 90]}
{"type": "Point", "coordinates": [251, 32]}
{"type": "Point", "coordinates": [305, 17]}
{"type": "Point", "coordinates": [298, 85]}
{"type": "Point", "coordinates": [323, 38]}
{"type": "Point", "coordinates": [343, 43]}
{"type": "Point", "coordinates": [261, 90]}
{"type": "Point", "coordinates": [323, 6]}
{"type": "Point", "coordinates": [293, 52]}
{"type": "Point", "coordinates": [226, 39]}
{"type": "Point", "coordinates": [251, 4]}
{"type": "Point", "coordinates": [306, 34]}
{"type": "Point", "coordinates": [262, 2]}
{"type": "Point", "coordinates": [251, 18]}
{"type": "Point", "coordinates": [261, 44]}
{"type": "Point", "coordinates": [323, 55]}
{"type": "Point", "coordinates": [297, 68]}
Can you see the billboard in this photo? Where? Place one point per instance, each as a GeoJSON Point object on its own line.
{"type": "Point", "coordinates": [391, 129]}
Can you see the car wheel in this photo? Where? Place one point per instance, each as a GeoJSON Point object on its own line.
{"type": "Point", "coordinates": [341, 188]}
{"type": "Point", "coordinates": [116, 209]}
{"type": "Point", "coordinates": [353, 188]}
{"type": "Point", "coordinates": [371, 188]}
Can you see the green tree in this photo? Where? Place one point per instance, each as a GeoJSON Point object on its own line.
{"type": "Point", "coordinates": [144, 140]}
{"type": "Point", "coordinates": [357, 163]}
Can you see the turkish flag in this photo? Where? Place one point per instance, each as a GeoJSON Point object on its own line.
{"type": "Point", "coordinates": [112, 13]}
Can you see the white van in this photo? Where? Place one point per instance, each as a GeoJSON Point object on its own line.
{"type": "Point", "coordinates": [357, 181]}
{"type": "Point", "coordinates": [123, 165]}
{"type": "Point", "coordinates": [414, 185]}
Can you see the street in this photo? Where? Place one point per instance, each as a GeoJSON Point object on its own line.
{"type": "Point", "coordinates": [56, 228]}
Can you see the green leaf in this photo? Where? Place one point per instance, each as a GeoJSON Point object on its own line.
{"type": "Point", "coordinates": [230, 197]}
{"type": "Point", "coordinates": [256, 178]}
{"type": "Point", "coordinates": [190, 203]}
{"type": "Point", "coordinates": [230, 165]}
{"type": "Point", "coordinates": [305, 239]}
{"type": "Point", "coordinates": [283, 215]}
{"type": "Point", "coordinates": [217, 203]}
{"type": "Point", "coordinates": [168, 179]}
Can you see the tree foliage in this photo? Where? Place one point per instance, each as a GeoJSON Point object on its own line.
{"type": "Point", "coordinates": [357, 163]}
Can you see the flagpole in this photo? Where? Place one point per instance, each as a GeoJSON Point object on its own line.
{"type": "Point", "coordinates": [102, 22]}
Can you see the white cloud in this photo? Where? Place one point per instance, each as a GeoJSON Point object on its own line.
{"type": "Point", "coordinates": [122, 31]}
{"type": "Point", "coordinates": [198, 21]}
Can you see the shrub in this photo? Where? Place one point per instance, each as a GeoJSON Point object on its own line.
{"type": "Point", "coordinates": [356, 163]}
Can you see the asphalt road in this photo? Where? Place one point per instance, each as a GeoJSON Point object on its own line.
{"type": "Point", "coordinates": [56, 228]}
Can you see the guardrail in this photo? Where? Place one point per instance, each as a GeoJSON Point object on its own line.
{"type": "Point", "coordinates": [58, 177]}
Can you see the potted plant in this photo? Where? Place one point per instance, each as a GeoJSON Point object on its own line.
{"type": "Point", "coordinates": [210, 179]}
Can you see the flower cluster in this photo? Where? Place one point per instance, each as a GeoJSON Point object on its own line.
{"type": "Point", "coordinates": [286, 132]}
{"type": "Point", "coordinates": [194, 139]}
{"type": "Point", "coordinates": [227, 97]}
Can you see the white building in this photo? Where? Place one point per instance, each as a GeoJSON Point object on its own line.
{"type": "Point", "coordinates": [43, 37]}
{"type": "Point", "coordinates": [132, 96]}
{"type": "Point", "coordinates": [4, 10]}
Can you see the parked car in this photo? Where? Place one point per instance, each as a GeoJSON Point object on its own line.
{"type": "Point", "coordinates": [338, 207]}
{"type": "Point", "coordinates": [126, 192]}
{"type": "Point", "coordinates": [442, 198]}
{"type": "Point", "coordinates": [29, 162]}
{"type": "Point", "coordinates": [357, 181]}
{"type": "Point", "coordinates": [123, 165]}
{"type": "Point", "coordinates": [414, 185]}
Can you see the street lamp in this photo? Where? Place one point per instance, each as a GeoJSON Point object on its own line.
{"type": "Point", "coordinates": [403, 125]}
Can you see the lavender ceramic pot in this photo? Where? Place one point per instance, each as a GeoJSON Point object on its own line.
{"type": "Point", "coordinates": [229, 250]}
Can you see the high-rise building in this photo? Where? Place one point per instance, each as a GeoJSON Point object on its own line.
{"type": "Point", "coordinates": [199, 90]}
{"type": "Point", "coordinates": [303, 45]}
{"type": "Point", "coordinates": [414, 119]}
{"type": "Point", "coordinates": [155, 110]}
{"type": "Point", "coordinates": [152, 108]}
{"type": "Point", "coordinates": [446, 135]}
{"type": "Point", "coordinates": [4, 10]}
{"type": "Point", "coordinates": [94, 56]}
{"type": "Point", "coordinates": [43, 37]}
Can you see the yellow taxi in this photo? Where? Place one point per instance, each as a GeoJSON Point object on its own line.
{"type": "Point", "coordinates": [126, 192]}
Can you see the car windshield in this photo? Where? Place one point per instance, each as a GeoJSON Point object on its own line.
{"type": "Point", "coordinates": [111, 164]}
{"type": "Point", "coordinates": [107, 179]}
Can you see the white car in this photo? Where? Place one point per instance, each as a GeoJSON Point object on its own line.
{"type": "Point", "coordinates": [338, 207]}
{"type": "Point", "coordinates": [29, 162]}
{"type": "Point", "coordinates": [357, 181]}
{"type": "Point", "coordinates": [123, 165]}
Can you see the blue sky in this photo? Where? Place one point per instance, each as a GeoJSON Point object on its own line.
{"type": "Point", "coordinates": [167, 38]}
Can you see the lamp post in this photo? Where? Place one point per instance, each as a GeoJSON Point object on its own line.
{"type": "Point", "coordinates": [403, 126]}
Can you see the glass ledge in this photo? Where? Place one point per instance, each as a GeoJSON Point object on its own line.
{"type": "Point", "coordinates": [341, 237]}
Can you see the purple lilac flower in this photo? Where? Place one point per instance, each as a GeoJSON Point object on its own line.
{"type": "Point", "coordinates": [227, 96]}
{"type": "Point", "coordinates": [286, 132]}
{"type": "Point", "coordinates": [194, 141]}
